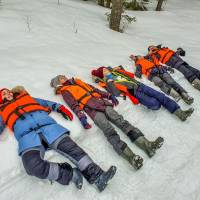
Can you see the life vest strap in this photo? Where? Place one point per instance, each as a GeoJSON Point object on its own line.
{"type": "Point", "coordinates": [16, 111]}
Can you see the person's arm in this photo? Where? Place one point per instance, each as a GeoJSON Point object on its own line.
{"type": "Point", "coordinates": [74, 105]}
{"type": "Point", "coordinates": [56, 107]}
{"type": "Point", "coordinates": [2, 125]}
{"type": "Point", "coordinates": [102, 93]}
{"type": "Point", "coordinates": [138, 71]}
{"type": "Point", "coordinates": [48, 104]}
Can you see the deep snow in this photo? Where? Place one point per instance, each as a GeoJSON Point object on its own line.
{"type": "Point", "coordinates": [40, 39]}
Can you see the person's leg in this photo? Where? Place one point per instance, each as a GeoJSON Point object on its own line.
{"type": "Point", "coordinates": [90, 170]}
{"type": "Point", "coordinates": [165, 101]}
{"type": "Point", "coordinates": [68, 148]}
{"type": "Point", "coordinates": [135, 135]}
{"type": "Point", "coordinates": [172, 83]}
{"type": "Point", "coordinates": [123, 124]}
{"type": "Point", "coordinates": [169, 80]}
{"type": "Point", "coordinates": [146, 100]}
{"type": "Point", "coordinates": [114, 139]}
{"type": "Point", "coordinates": [189, 72]}
{"type": "Point", "coordinates": [36, 166]}
{"type": "Point", "coordinates": [161, 84]}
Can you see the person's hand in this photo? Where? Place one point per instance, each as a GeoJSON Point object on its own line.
{"type": "Point", "coordinates": [65, 113]}
{"type": "Point", "coordinates": [114, 100]}
{"type": "Point", "coordinates": [84, 123]}
{"type": "Point", "coordinates": [171, 70]}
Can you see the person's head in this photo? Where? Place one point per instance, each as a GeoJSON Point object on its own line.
{"type": "Point", "coordinates": [152, 48]}
{"type": "Point", "coordinates": [5, 95]}
{"type": "Point", "coordinates": [99, 72]}
{"type": "Point", "coordinates": [135, 58]}
{"type": "Point", "coordinates": [58, 81]}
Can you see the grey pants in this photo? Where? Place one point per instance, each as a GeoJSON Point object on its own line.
{"type": "Point", "coordinates": [165, 82]}
{"type": "Point", "coordinates": [35, 165]}
{"type": "Point", "coordinates": [102, 120]}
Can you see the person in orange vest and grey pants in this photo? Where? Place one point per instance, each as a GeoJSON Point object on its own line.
{"type": "Point", "coordinates": [159, 75]}
{"type": "Point", "coordinates": [84, 98]}
{"type": "Point", "coordinates": [167, 56]}
{"type": "Point", "coordinates": [37, 132]}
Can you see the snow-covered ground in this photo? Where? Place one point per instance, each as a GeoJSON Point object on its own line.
{"type": "Point", "coordinates": [40, 39]}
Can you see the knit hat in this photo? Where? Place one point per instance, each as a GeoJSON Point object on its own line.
{"type": "Point", "coordinates": [1, 100]}
{"type": "Point", "coordinates": [56, 81]}
{"type": "Point", "coordinates": [98, 72]}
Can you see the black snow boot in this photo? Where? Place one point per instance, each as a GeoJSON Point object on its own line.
{"type": "Point", "coordinates": [184, 114]}
{"type": "Point", "coordinates": [186, 98]}
{"type": "Point", "coordinates": [102, 181]}
{"type": "Point", "coordinates": [149, 147]}
{"type": "Point", "coordinates": [135, 160]}
{"type": "Point", "coordinates": [77, 178]}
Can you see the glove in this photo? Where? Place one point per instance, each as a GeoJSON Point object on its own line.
{"type": "Point", "coordinates": [181, 51]}
{"type": "Point", "coordinates": [170, 69]}
{"type": "Point", "coordinates": [84, 123]}
{"type": "Point", "coordinates": [113, 99]}
{"type": "Point", "coordinates": [65, 113]}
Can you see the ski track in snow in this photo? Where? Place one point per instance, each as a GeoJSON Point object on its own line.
{"type": "Point", "coordinates": [40, 39]}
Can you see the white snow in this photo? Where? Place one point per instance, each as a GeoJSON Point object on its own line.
{"type": "Point", "coordinates": [40, 39]}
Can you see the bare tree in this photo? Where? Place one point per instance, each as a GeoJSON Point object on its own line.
{"type": "Point", "coordinates": [116, 14]}
{"type": "Point", "coordinates": [159, 5]}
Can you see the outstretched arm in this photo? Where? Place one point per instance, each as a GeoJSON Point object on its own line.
{"type": "Point", "coordinates": [48, 104]}
{"type": "Point", "coordinates": [73, 104]}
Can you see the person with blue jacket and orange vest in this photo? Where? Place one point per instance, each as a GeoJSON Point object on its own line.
{"type": "Point", "coordinates": [172, 58]}
{"type": "Point", "coordinates": [118, 81]}
{"type": "Point", "coordinates": [28, 118]}
{"type": "Point", "coordinates": [84, 98]}
{"type": "Point", "coordinates": [159, 75]}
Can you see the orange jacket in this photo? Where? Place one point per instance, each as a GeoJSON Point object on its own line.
{"type": "Point", "coordinates": [20, 105]}
{"type": "Point", "coordinates": [81, 91]}
{"type": "Point", "coordinates": [162, 55]}
{"type": "Point", "coordinates": [146, 66]}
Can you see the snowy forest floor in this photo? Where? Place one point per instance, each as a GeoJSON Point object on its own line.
{"type": "Point", "coordinates": [40, 39]}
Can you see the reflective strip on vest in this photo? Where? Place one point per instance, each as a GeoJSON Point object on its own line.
{"type": "Point", "coordinates": [15, 109]}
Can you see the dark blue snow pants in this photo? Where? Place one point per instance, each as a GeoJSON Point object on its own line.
{"type": "Point", "coordinates": [190, 73]}
{"type": "Point", "coordinates": [153, 99]}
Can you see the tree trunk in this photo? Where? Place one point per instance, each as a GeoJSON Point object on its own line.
{"type": "Point", "coordinates": [115, 18]}
{"type": "Point", "coordinates": [101, 2]}
{"type": "Point", "coordinates": [108, 2]}
{"type": "Point", "coordinates": [159, 5]}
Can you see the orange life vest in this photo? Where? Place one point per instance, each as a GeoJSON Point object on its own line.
{"type": "Point", "coordinates": [164, 53]}
{"type": "Point", "coordinates": [20, 105]}
{"type": "Point", "coordinates": [81, 91]}
{"type": "Point", "coordinates": [146, 66]}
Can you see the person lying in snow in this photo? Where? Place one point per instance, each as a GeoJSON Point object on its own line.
{"type": "Point", "coordinates": [119, 81]}
{"type": "Point", "coordinates": [159, 75]}
{"type": "Point", "coordinates": [164, 55]}
{"type": "Point", "coordinates": [81, 97]}
{"type": "Point", "coordinates": [36, 132]}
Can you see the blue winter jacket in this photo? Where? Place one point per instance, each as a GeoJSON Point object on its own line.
{"type": "Point", "coordinates": [37, 125]}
